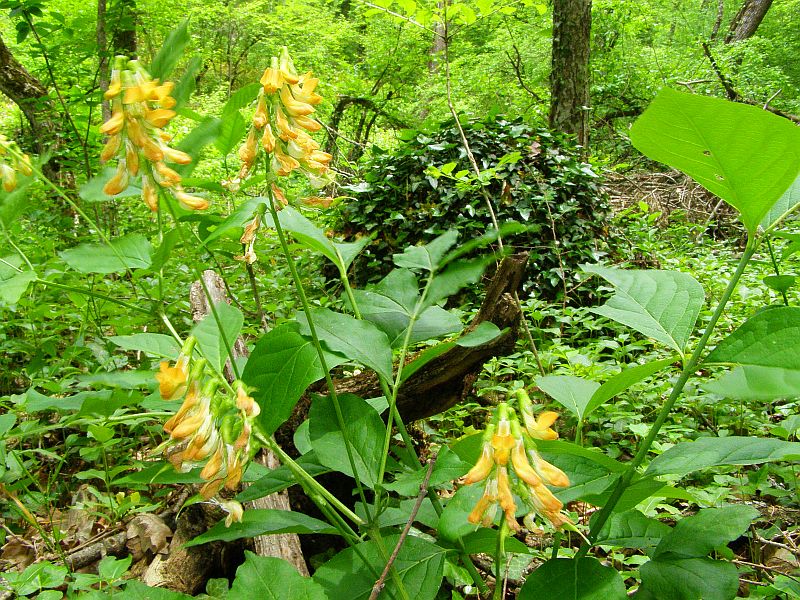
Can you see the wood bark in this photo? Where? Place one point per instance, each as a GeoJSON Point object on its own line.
{"type": "Point", "coordinates": [30, 95]}
{"type": "Point", "coordinates": [746, 22]}
{"type": "Point", "coordinates": [569, 75]}
{"type": "Point", "coordinates": [285, 545]}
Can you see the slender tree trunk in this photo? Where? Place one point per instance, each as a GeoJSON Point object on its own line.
{"type": "Point", "coordinates": [123, 28]}
{"type": "Point", "coordinates": [31, 96]}
{"type": "Point", "coordinates": [745, 24]}
{"type": "Point", "coordinates": [569, 77]}
{"type": "Point", "coordinates": [102, 53]}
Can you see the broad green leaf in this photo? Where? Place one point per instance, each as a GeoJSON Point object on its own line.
{"type": "Point", "coordinates": [637, 492]}
{"type": "Point", "coordinates": [264, 521]}
{"type": "Point", "coordinates": [710, 528]}
{"type": "Point", "coordinates": [424, 357]}
{"type": "Point", "coordinates": [156, 344]}
{"type": "Point", "coordinates": [164, 250]}
{"type": "Point", "coordinates": [363, 427]}
{"type": "Point", "coordinates": [185, 86]}
{"type": "Point", "coordinates": [358, 340]}
{"type": "Point", "coordinates": [685, 457]}
{"type": "Point", "coordinates": [392, 516]}
{"type": "Point", "coordinates": [631, 529]}
{"type": "Point", "coordinates": [485, 332]}
{"type": "Point", "coordinates": [6, 423]}
{"type": "Point", "coordinates": [780, 283]}
{"type": "Point", "coordinates": [429, 256]}
{"type": "Point", "coordinates": [231, 130]}
{"type": "Point", "coordinates": [623, 380]}
{"type": "Point", "coordinates": [457, 275]}
{"type": "Point", "coordinates": [573, 393]}
{"type": "Point", "coordinates": [349, 250]}
{"type": "Point", "coordinates": [662, 305]}
{"type": "Point", "coordinates": [745, 155]}
{"type": "Point", "coordinates": [235, 222]}
{"type": "Point", "coordinates": [785, 205]}
{"type": "Point", "coordinates": [13, 287]}
{"type": "Point", "coordinates": [308, 234]}
{"type": "Point", "coordinates": [215, 338]}
{"type": "Point", "coordinates": [280, 368]}
{"type": "Point", "coordinates": [767, 339]}
{"type": "Point", "coordinates": [756, 383]}
{"type": "Point", "coordinates": [391, 303]}
{"type": "Point", "coordinates": [673, 577]}
{"type": "Point", "coordinates": [419, 566]}
{"type": "Point", "coordinates": [36, 577]}
{"type": "Point", "coordinates": [171, 51]}
{"type": "Point", "coordinates": [484, 541]}
{"type": "Point", "coordinates": [130, 251]}
{"type": "Point", "coordinates": [574, 578]}
{"type": "Point", "coordinates": [193, 144]}
{"type": "Point", "coordinates": [281, 478]}
{"type": "Point", "coordinates": [36, 402]}
{"type": "Point", "coordinates": [453, 524]}
{"type": "Point", "coordinates": [269, 578]}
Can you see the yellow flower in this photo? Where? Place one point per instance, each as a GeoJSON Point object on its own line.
{"type": "Point", "coordinates": [173, 381]}
{"type": "Point", "coordinates": [9, 178]}
{"type": "Point", "coordinates": [482, 468]}
{"type": "Point", "coordinates": [271, 80]}
{"type": "Point", "coordinates": [119, 181]}
{"type": "Point", "coordinates": [268, 139]}
{"type": "Point", "coordinates": [537, 427]}
{"type": "Point", "coordinates": [307, 123]}
{"type": "Point", "coordinates": [141, 108]}
{"type": "Point", "coordinates": [235, 512]}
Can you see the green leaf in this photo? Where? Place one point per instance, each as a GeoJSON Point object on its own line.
{"type": "Point", "coordinates": [92, 190]}
{"type": "Point", "coordinates": [268, 578]}
{"type": "Point", "coordinates": [745, 155]}
{"type": "Point", "coordinates": [171, 51]}
{"type": "Point", "coordinates": [673, 577]}
{"type": "Point", "coordinates": [756, 383]}
{"type": "Point", "coordinates": [130, 251]}
{"type": "Point", "coordinates": [457, 275]}
{"type": "Point", "coordinates": [429, 256]}
{"type": "Point", "coordinates": [623, 380]}
{"type": "Point", "coordinates": [577, 579]}
{"type": "Point", "coordinates": [231, 130]}
{"type": "Point", "coordinates": [453, 524]}
{"type": "Point", "coordinates": [419, 565]}
{"type": "Point", "coordinates": [280, 368]}
{"type": "Point", "coordinates": [156, 344]}
{"type": "Point", "coordinates": [780, 283]}
{"type": "Point", "coordinates": [710, 528]}
{"type": "Point", "coordinates": [573, 393]}
{"type": "Point", "coordinates": [447, 469]}
{"type": "Point", "coordinates": [263, 521]}
{"type": "Point", "coordinates": [281, 478]}
{"type": "Point", "coordinates": [484, 541]}
{"type": "Point", "coordinates": [767, 339]}
{"type": "Point", "coordinates": [36, 577]}
{"type": "Point", "coordinates": [391, 303]}
{"type": "Point", "coordinates": [136, 590]}
{"type": "Point", "coordinates": [631, 529]}
{"type": "Point", "coordinates": [363, 427]}
{"type": "Point", "coordinates": [36, 402]}
{"type": "Point", "coordinates": [662, 305]}
{"type": "Point", "coordinates": [206, 132]}
{"type": "Point", "coordinates": [685, 457]}
{"type": "Point", "coordinates": [358, 340]}
{"type": "Point", "coordinates": [14, 286]}
{"type": "Point", "coordinates": [185, 86]}
{"type": "Point", "coordinates": [235, 222]}
{"type": "Point", "coordinates": [485, 332]}
{"type": "Point", "coordinates": [215, 338]}
{"type": "Point", "coordinates": [164, 250]}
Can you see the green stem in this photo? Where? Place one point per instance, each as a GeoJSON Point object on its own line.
{"type": "Point", "coordinates": [777, 270]}
{"type": "Point", "coordinates": [499, 560]}
{"type": "Point", "coordinates": [688, 370]}
{"type": "Point", "coordinates": [302, 475]}
{"type": "Point", "coordinates": [317, 346]}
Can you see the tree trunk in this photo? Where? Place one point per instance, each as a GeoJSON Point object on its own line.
{"type": "Point", "coordinates": [569, 77]}
{"type": "Point", "coordinates": [29, 94]}
{"type": "Point", "coordinates": [745, 24]}
{"type": "Point", "coordinates": [122, 23]}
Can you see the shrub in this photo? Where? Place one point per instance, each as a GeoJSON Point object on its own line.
{"type": "Point", "coordinates": [538, 179]}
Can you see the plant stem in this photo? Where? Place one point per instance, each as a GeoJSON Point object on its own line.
{"type": "Point", "coordinates": [499, 560]}
{"type": "Point", "coordinates": [688, 370]}
{"type": "Point", "coordinates": [301, 292]}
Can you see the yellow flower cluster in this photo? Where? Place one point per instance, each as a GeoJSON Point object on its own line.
{"type": "Point", "coordinates": [282, 121]}
{"type": "Point", "coordinates": [140, 109]}
{"type": "Point", "coordinates": [12, 161]}
{"type": "Point", "coordinates": [210, 429]}
{"type": "Point", "coordinates": [506, 451]}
